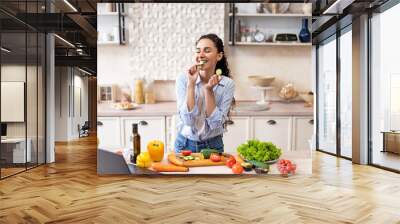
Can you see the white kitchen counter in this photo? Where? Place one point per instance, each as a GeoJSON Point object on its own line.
{"type": "Point", "coordinates": [169, 108]}
{"type": "Point", "coordinates": [302, 159]}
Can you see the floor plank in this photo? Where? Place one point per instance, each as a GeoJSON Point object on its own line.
{"type": "Point", "coordinates": [69, 191]}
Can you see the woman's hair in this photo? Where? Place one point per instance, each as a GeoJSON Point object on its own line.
{"type": "Point", "coordinates": [223, 63]}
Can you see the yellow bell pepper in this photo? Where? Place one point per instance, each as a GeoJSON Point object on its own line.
{"type": "Point", "coordinates": [143, 160]}
{"type": "Point", "coordinates": [156, 150]}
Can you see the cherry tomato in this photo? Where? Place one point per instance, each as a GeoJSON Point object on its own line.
{"type": "Point", "coordinates": [230, 162]}
{"type": "Point", "coordinates": [237, 168]}
{"type": "Point", "coordinates": [215, 157]}
{"type": "Point", "coordinates": [186, 152]}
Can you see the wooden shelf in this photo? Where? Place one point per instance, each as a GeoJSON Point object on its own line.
{"type": "Point", "coordinates": [271, 44]}
{"type": "Point", "coordinates": [108, 43]}
{"type": "Point", "coordinates": [110, 14]}
{"type": "Point", "coordinates": [270, 15]}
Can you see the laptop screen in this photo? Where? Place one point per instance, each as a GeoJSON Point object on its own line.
{"type": "Point", "coordinates": [3, 129]}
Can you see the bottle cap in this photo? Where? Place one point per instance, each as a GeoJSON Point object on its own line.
{"type": "Point", "coordinates": [134, 128]}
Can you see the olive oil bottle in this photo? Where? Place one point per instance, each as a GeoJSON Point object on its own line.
{"type": "Point", "coordinates": [135, 142]}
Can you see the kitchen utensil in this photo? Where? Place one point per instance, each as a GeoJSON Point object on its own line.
{"type": "Point", "coordinates": [259, 80]}
{"type": "Point", "coordinates": [285, 37]}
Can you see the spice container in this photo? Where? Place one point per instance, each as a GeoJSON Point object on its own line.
{"type": "Point", "coordinates": [139, 96]}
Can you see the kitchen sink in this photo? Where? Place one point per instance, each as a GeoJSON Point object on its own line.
{"type": "Point", "coordinates": [251, 107]}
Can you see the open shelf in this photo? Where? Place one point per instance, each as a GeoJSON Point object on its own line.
{"type": "Point", "coordinates": [111, 14]}
{"type": "Point", "coordinates": [108, 43]}
{"type": "Point", "coordinates": [270, 44]}
{"type": "Point", "coordinates": [270, 15]}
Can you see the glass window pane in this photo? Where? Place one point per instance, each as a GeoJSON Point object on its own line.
{"type": "Point", "coordinates": [13, 87]}
{"type": "Point", "coordinates": [327, 97]}
{"type": "Point", "coordinates": [386, 89]}
{"type": "Point", "coordinates": [346, 94]}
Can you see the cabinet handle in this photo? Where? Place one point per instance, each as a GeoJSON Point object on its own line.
{"type": "Point", "coordinates": [144, 123]}
{"type": "Point", "coordinates": [311, 121]}
{"type": "Point", "coordinates": [271, 122]}
{"type": "Point", "coordinates": [99, 123]}
{"type": "Point", "coordinates": [230, 122]}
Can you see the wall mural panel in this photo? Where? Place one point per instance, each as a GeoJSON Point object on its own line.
{"type": "Point", "coordinates": [167, 33]}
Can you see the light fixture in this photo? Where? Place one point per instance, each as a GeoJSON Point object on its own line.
{"type": "Point", "coordinates": [64, 40]}
{"type": "Point", "coordinates": [337, 7]}
{"type": "Point", "coordinates": [84, 71]}
{"type": "Point", "coordinates": [70, 5]}
{"type": "Point", "coordinates": [5, 50]}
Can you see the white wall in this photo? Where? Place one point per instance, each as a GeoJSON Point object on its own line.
{"type": "Point", "coordinates": [69, 82]}
{"type": "Point", "coordinates": [287, 64]}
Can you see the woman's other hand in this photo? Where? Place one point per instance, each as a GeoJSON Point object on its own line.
{"type": "Point", "coordinates": [213, 81]}
{"type": "Point", "coordinates": [193, 73]}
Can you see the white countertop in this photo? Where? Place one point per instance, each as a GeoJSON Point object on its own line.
{"type": "Point", "coordinates": [302, 159]}
{"type": "Point", "coordinates": [169, 108]}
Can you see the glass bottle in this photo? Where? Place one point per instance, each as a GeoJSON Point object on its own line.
{"type": "Point", "coordinates": [136, 142]}
{"type": "Point", "coordinates": [304, 34]}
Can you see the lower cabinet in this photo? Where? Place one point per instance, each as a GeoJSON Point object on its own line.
{"type": "Point", "coordinates": [273, 129]}
{"type": "Point", "coordinates": [150, 128]}
{"type": "Point", "coordinates": [302, 132]}
{"type": "Point", "coordinates": [238, 132]}
{"type": "Point", "coordinates": [109, 133]}
{"type": "Point", "coordinates": [287, 132]}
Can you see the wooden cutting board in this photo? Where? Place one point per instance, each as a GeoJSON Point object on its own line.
{"type": "Point", "coordinates": [174, 159]}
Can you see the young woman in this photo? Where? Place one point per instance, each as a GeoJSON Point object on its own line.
{"type": "Point", "coordinates": [204, 98]}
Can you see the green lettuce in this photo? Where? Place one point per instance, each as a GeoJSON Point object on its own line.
{"type": "Point", "coordinates": [259, 151]}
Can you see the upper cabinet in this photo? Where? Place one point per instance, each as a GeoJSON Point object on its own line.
{"type": "Point", "coordinates": [111, 24]}
{"type": "Point", "coordinates": [270, 24]}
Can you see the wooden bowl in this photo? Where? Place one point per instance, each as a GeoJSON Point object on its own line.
{"type": "Point", "coordinates": [258, 80]}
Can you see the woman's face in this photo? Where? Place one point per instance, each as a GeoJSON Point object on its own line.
{"type": "Point", "coordinates": [207, 52]}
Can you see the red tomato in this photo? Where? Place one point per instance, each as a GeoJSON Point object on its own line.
{"type": "Point", "coordinates": [215, 157]}
{"type": "Point", "coordinates": [186, 152]}
{"type": "Point", "coordinates": [237, 168]}
{"type": "Point", "coordinates": [230, 162]}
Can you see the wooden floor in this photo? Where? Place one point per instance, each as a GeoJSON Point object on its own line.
{"type": "Point", "coordinates": [69, 191]}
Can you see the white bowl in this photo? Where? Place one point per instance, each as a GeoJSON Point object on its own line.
{"type": "Point", "coordinates": [259, 80]}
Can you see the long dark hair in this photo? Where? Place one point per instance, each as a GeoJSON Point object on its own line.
{"type": "Point", "coordinates": [221, 64]}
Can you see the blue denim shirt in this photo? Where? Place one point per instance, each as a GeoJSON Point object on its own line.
{"type": "Point", "coordinates": [214, 123]}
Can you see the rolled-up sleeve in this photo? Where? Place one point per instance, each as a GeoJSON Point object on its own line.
{"type": "Point", "coordinates": [186, 116]}
{"type": "Point", "coordinates": [220, 114]}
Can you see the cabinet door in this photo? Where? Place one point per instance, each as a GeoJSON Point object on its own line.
{"type": "Point", "coordinates": [303, 131]}
{"type": "Point", "coordinates": [238, 132]}
{"type": "Point", "coordinates": [150, 128]}
{"type": "Point", "coordinates": [171, 132]}
{"type": "Point", "coordinates": [109, 132]}
{"type": "Point", "coordinates": [273, 129]}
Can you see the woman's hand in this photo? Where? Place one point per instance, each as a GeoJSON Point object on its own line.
{"type": "Point", "coordinates": [192, 74]}
{"type": "Point", "coordinates": [213, 81]}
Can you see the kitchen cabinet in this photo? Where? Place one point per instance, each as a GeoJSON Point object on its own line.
{"type": "Point", "coordinates": [171, 132]}
{"type": "Point", "coordinates": [108, 132]}
{"type": "Point", "coordinates": [290, 133]}
{"type": "Point", "coordinates": [303, 129]}
{"type": "Point", "coordinates": [150, 128]}
{"type": "Point", "coordinates": [238, 132]}
{"type": "Point", "coordinates": [273, 129]}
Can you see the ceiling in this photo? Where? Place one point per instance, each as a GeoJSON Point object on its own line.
{"type": "Point", "coordinates": [72, 20]}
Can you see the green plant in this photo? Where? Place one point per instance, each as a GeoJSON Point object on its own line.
{"type": "Point", "coordinates": [259, 151]}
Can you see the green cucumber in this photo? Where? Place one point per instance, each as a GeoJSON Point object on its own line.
{"type": "Point", "coordinates": [258, 164]}
{"type": "Point", "coordinates": [207, 152]}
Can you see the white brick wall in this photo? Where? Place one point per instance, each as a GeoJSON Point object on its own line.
{"type": "Point", "coordinates": [162, 36]}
